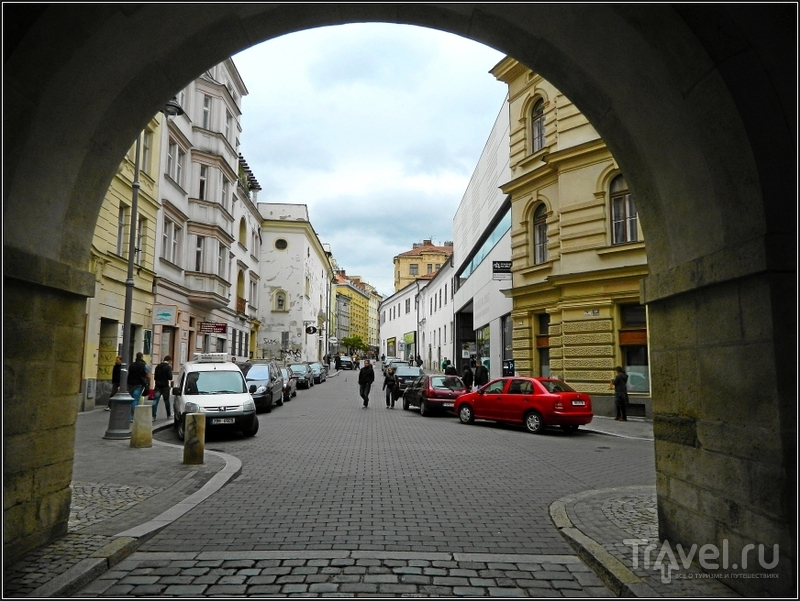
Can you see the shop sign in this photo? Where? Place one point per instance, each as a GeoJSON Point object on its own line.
{"type": "Point", "coordinates": [210, 327]}
{"type": "Point", "coordinates": [501, 270]}
{"type": "Point", "coordinates": [165, 315]}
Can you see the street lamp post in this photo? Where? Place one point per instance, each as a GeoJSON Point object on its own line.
{"type": "Point", "coordinates": [119, 422]}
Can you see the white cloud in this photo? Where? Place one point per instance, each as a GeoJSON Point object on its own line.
{"type": "Point", "coordinates": [376, 127]}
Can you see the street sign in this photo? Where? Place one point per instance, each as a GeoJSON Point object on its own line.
{"type": "Point", "coordinates": [501, 270]}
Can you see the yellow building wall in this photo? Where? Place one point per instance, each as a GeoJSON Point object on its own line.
{"type": "Point", "coordinates": [585, 278]}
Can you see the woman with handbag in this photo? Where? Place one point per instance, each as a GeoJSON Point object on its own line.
{"type": "Point", "coordinates": [389, 386]}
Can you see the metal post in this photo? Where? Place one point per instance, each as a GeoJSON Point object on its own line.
{"type": "Point", "coordinates": [119, 422]}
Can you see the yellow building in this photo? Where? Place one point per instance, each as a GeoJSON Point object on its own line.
{"type": "Point", "coordinates": [577, 250]}
{"type": "Point", "coordinates": [109, 263]}
{"type": "Point", "coordinates": [354, 289]}
{"type": "Point", "coordinates": [424, 259]}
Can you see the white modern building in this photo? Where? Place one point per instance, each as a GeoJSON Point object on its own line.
{"type": "Point", "coordinates": [399, 322]}
{"type": "Point", "coordinates": [207, 237]}
{"type": "Point", "coordinates": [435, 316]}
{"type": "Point", "coordinates": [295, 281]}
{"type": "Point", "coordinates": [482, 259]}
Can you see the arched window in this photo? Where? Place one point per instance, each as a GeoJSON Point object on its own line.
{"type": "Point", "coordinates": [537, 125]}
{"type": "Point", "coordinates": [623, 213]}
{"type": "Point", "coordinates": [243, 232]}
{"type": "Point", "coordinates": [540, 235]}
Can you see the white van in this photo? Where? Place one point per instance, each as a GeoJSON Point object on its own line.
{"type": "Point", "coordinates": [213, 385]}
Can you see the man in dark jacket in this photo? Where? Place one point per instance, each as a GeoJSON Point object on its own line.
{"type": "Point", "coordinates": [163, 381]}
{"type": "Point", "coordinates": [481, 375]}
{"type": "Point", "coordinates": [620, 386]}
{"type": "Point", "coordinates": [365, 379]}
{"type": "Point", "coordinates": [137, 380]}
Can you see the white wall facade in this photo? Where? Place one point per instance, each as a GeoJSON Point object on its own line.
{"type": "Point", "coordinates": [294, 285]}
{"type": "Point", "coordinates": [398, 319]}
{"type": "Point", "coordinates": [437, 334]}
{"type": "Point", "coordinates": [480, 237]}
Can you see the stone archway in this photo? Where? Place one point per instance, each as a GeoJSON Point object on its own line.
{"type": "Point", "coordinates": [694, 102]}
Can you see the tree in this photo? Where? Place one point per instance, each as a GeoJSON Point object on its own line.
{"type": "Point", "coordinates": [353, 343]}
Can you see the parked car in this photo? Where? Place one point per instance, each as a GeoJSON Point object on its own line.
{"type": "Point", "coordinates": [433, 392]}
{"type": "Point", "coordinates": [267, 377]}
{"type": "Point", "coordinates": [289, 384]}
{"type": "Point", "coordinates": [387, 361]}
{"type": "Point", "coordinates": [213, 385]}
{"type": "Point", "coordinates": [302, 371]}
{"type": "Point", "coordinates": [405, 375]}
{"type": "Point", "coordinates": [319, 372]}
{"type": "Point", "coordinates": [532, 402]}
{"type": "Point", "coordinates": [346, 363]}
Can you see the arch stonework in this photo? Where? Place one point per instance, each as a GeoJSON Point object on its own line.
{"type": "Point", "coordinates": [695, 102]}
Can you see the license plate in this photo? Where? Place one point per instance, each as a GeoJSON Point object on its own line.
{"type": "Point", "coordinates": [578, 403]}
{"type": "Point", "coordinates": [447, 404]}
{"type": "Point", "coordinates": [223, 420]}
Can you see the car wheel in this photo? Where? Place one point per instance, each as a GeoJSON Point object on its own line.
{"type": "Point", "coordinates": [279, 402]}
{"type": "Point", "coordinates": [533, 422]}
{"type": "Point", "coordinates": [181, 428]}
{"type": "Point", "coordinates": [294, 393]}
{"type": "Point", "coordinates": [268, 408]}
{"type": "Point", "coordinates": [405, 404]}
{"type": "Point", "coordinates": [423, 408]}
{"type": "Point", "coordinates": [253, 429]}
{"type": "Point", "coordinates": [465, 414]}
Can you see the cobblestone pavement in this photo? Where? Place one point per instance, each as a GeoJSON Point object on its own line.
{"type": "Point", "coordinates": [332, 500]}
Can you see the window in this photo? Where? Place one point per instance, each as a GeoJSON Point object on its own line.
{"type": "Point", "coordinates": [243, 232]}
{"type": "Point", "coordinates": [147, 150]}
{"type": "Point", "coordinates": [207, 112]}
{"type": "Point", "coordinates": [281, 244]}
{"type": "Point", "coordinates": [176, 158]}
{"type": "Point", "coordinates": [537, 126]}
{"type": "Point", "coordinates": [228, 122]}
{"type": "Point", "coordinates": [203, 180]}
{"type": "Point", "coordinates": [170, 241]}
{"type": "Point", "coordinates": [408, 305]}
{"type": "Point", "coordinates": [540, 235]}
{"type": "Point", "coordinates": [222, 260]}
{"type": "Point", "coordinates": [253, 293]}
{"type": "Point", "coordinates": [198, 254]}
{"type": "Point", "coordinates": [430, 268]}
{"type": "Point", "coordinates": [179, 167]}
{"type": "Point", "coordinates": [122, 219]}
{"type": "Point", "coordinates": [633, 344]}
{"type": "Point", "coordinates": [623, 213]}
{"type": "Point", "coordinates": [413, 269]}
{"type": "Point", "coordinates": [543, 343]}
{"type": "Point", "coordinates": [445, 294]}
{"type": "Point", "coordinates": [141, 238]}
{"type": "Point", "coordinates": [224, 193]}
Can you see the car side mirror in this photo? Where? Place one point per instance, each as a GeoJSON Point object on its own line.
{"type": "Point", "coordinates": [253, 388]}
{"type": "Point", "coordinates": [176, 391]}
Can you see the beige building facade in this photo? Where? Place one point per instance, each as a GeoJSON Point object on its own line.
{"type": "Point", "coordinates": [423, 260]}
{"type": "Point", "coordinates": [577, 249]}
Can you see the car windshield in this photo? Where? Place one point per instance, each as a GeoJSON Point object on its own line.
{"type": "Point", "coordinates": [448, 382]}
{"type": "Point", "coordinates": [258, 372]}
{"type": "Point", "coordinates": [556, 386]}
{"type": "Point", "coordinates": [408, 372]}
{"type": "Point", "coordinates": [284, 373]}
{"type": "Point", "coordinates": [215, 382]}
{"type": "Point", "coordinates": [299, 369]}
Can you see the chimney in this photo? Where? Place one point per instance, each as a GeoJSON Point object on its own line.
{"type": "Point", "coordinates": [427, 242]}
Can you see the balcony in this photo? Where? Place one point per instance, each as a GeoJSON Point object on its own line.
{"type": "Point", "coordinates": [207, 290]}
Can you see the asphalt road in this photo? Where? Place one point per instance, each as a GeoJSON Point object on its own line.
{"type": "Point", "coordinates": [324, 474]}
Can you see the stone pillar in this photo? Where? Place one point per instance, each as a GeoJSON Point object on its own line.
{"type": "Point", "coordinates": [724, 424]}
{"type": "Point", "coordinates": [194, 440]}
{"type": "Point", "coordinates": [142, 430]}
{"type": "Point", "coordinates": [44, 326]}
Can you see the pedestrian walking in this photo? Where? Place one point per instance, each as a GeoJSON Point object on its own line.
{"type": "Point", "coordinates": [365, 379]}
{"type": "Point", "coordinates": [450, 369]}
{"type": "Point", "coordinates": [116, 372]}
{"type": "Point", "coordinates": [444, 363]}
{"type": "Point", "coordinates": [138, 381]}
{"type": "Point", "coordinates": [337, 362]}
{"type": "Point", "coordinates": [163, 382]}
{"type": "Point", "coordinates": [419, 361]}
{"type": "Point", "coordinates": [620, 386]}
{"type": "Point", "coordinates": [389, 385]}
{"type": "Point", "coordinates": [481, 375]}
{"type": "Point", "coordinates": [468, 377]}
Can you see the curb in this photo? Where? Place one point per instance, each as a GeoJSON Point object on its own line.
{"type": "Point", "coordinates": [614, 574]}
{"type": "Point", "coordinates": [128, 541]}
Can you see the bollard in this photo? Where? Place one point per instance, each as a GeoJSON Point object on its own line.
{"type": "Point", "coordinates": [142, 428]}
{"type": "Point", "coordinates": [194, 438]}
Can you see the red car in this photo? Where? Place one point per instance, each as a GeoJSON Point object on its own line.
{"type": "Point", "coordinates": [533, 402]}
{"type": "Point", "coordinates": [433, 393]}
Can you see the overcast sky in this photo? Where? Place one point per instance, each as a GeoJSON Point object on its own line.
{"type": "Point", "coordinates": [377, 128]}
